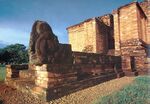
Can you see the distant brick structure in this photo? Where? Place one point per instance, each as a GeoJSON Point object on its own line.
{"type": "Point", "coordinates": [108, 31]}
{"type": "Point", "coordinates": [129, 24]}
{"type": "Point", "coordinates": [92, 35]}
{"type": "Point", "coordinates": [131, 33]}
{"type": "Point", "coordinates": [124, 33]}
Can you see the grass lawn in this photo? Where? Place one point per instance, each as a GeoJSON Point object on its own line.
{"type": "Point", "coordinates": [2, 73]}
{"type": "Point", "coordinates": [136, 93]}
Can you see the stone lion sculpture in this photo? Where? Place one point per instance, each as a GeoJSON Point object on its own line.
{"type": "Point", "coordinates": [44, 47]}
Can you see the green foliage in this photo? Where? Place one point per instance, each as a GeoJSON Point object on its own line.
{"type": "Point", "coordinates": [2, 73]}
{"type": "Point", "coordinates": [16, 53]}
{"type": "Point", "coordinates": [136, 93]}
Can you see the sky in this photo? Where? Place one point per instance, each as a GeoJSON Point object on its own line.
{"type": "Point", "coordinates": [17, 16]}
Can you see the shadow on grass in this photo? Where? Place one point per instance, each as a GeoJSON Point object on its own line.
{"type": "Point", "coordinates": [136, 93]}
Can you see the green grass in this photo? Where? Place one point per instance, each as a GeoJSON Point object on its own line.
{"type": "Point", "coordinates": [136, 93]}
{"type": "Point", "coordinates": [2, 73]}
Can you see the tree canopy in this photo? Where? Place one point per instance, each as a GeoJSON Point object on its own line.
{"type": "Point", "coordinates": [15, 53]}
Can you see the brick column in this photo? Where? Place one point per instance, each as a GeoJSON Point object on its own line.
{"type": "Point", "coordinates": [116, 30]}
{"type": "Point", "coordinates": [128, 65]}
{"type": "Point", "coordinates": [148, 24]}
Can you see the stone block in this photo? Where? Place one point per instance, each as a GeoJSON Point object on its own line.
{"type": "Point", "coordinates": [18, 67]}
{"type": "Point", "coordinates": [47, 75]}
{"type": "Point", "coordinates": [29, 74]}
{"type": "Point", "coordinates": [52, 82]}
{"type": "Point", "coordinates": [56, 68]}
{"type": "Point", "coordinates": [130, 73]}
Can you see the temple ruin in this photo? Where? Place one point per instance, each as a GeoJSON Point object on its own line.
{"type": "Point", "coordinates": [123, 33]}
{"type": "Point", "coordinates": [100, 49]}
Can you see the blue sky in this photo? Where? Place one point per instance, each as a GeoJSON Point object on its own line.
{"type": "Point", "coordinates": [17, 16]}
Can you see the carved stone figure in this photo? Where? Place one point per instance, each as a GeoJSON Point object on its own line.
{"type": "Point", "coordinates": [44, 47]}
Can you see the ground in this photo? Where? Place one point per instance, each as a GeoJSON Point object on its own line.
{"type": "Point", "coordinates": [138, 92]}
{"type": "Point", "coordinates": [87, 96]}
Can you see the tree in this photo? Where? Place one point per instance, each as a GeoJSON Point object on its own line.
{"type": "Point", "coordinates": [4, 56]}
{"type": "Point", "coordinates": [16, 53]}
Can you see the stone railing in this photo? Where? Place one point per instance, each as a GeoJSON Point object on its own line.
{"type": "Point", "coordinates": [91, 64]}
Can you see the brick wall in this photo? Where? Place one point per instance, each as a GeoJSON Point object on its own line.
{"type": "Point", "coordinates": [146, 8]}
{"type": "Point", "coordinates": [96, 64]}
{"type": "Point", "coordinates": [83, 35]}
{"type": "Point", "coordinates": [141, 24]}
{"type": "Point", "coordinates": [130, 34]}
{"type": "Point", "coordinates": [148, 24]}
{"type": "Point", "coordinates": [129, 26]}
{"type": "Point", "coordinates": [116, 30]}
{"type": "Point", "coordinates": [93, 35]}
{"type": "Point", "coordinates": [128, 23]}
{"type": "Point", "coordinates": [127, 30]}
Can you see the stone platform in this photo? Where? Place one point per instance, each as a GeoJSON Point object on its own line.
{"type": "Point", "coordinates": [47, 94]}
{"type": "Point", "coordinates": [52, 81]}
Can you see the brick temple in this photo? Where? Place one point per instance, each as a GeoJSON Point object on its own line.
{"type": "Point", "coordinates": [100, 49]}
{"type": "Point", "coordinates": [123, 33]}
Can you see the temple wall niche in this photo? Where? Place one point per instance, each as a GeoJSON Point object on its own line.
{"type": "Point", "coordinates": [104, 33]}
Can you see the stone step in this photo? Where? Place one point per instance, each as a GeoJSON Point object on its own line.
{"type": "Point", "coordinates": [147, 60]}
{"type": "Point", "coordinates": [27, 74]}
{"type": "Point", "coordinates": [147, 66]}
{"type": "Point", "coordinates": [22, 84]}
{"type": "Point", "coordinates": [121, 74]}
{"type": "Point", "coordinates": [129, 73]}
{"type": "Point", "coordinates": [144, 73]}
